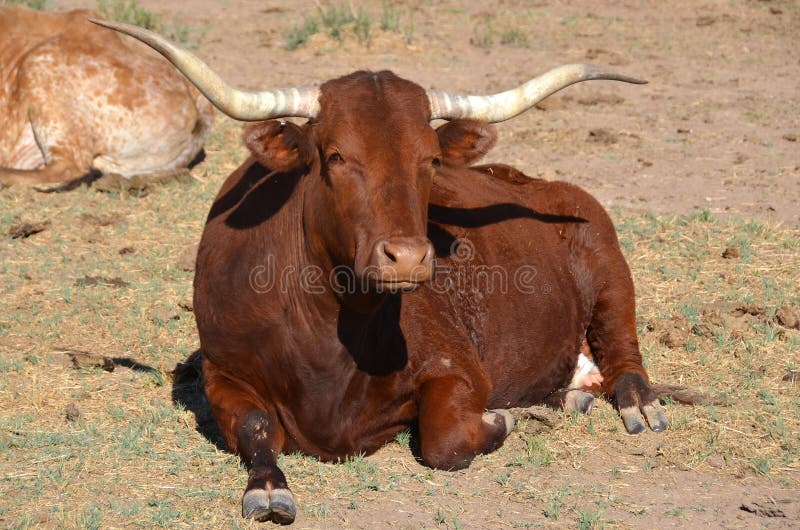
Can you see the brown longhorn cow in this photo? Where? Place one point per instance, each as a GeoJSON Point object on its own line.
{"type": "Point", "coordinates": [75, 98]}
{"type": "Point", "coordinates": [325, 326]}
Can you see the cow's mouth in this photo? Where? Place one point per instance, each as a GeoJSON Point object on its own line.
{"type": "Point", "coordinates": [396, 286]}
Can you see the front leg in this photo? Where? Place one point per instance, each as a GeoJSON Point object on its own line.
{"type": "Point", "coordinates": [453, 424]}
{"type": "Point", "coordinates": [252, 430]}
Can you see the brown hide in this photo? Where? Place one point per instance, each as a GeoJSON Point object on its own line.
{"type": "Point", "coordinates": [292, 363]}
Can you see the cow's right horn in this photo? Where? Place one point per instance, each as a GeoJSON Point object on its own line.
{"type": "Point", "coordinates": [505, 105]}
{"type": "Point", "coordinates": [245, 106]}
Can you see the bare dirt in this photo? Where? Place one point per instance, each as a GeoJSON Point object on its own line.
{"type": "Point", "coordinates": [717, 128]}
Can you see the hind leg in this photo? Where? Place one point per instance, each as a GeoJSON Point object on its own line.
{"type": "Point", "coordinates": [586, 379]}
{"type": "Point", "coordinates": [613, 342]}
{"type": "Point", "coordinates": [57, 171]}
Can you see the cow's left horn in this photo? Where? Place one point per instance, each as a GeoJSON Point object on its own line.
{"type": "Point", "coordinates": [245, 106]}
{"type": "Point", "coordinates": [506, 105]}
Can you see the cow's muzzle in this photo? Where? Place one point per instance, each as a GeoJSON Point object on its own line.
{"type": "Point", "coordinates": [401, 264]}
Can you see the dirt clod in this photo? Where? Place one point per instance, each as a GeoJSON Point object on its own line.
{"type": "Point", "coordinates": [790, 137]}
{"type": "Point", "coordinates": [602, 136]}
{"type": "Point", "coordinates": [705, 20]}
{"type": "Point", "coordinates": [73, 412]}
{"type": "Point", "coordinates": [126, 250]}
{"type": "Point", "coordinates": [787, 317]}
{"type": "Point", "coordinates": [85, 359]}
{"type": "Point", "coordinates": [762, 509]}
{"type": "Point", "coordinates": [24, 230]}
{"type": "Point", "coordinates": [730, 253]}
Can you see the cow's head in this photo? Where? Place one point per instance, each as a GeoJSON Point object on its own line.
{"type": "Point", "coordinates": [371, 156]}
{"type": "Point", "coordinates": [370, 151]}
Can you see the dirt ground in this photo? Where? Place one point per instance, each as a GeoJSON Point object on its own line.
{"type": "Point", "coordinates": [715, 132]}
{"type": "Point", "coordinates": [717, 127]}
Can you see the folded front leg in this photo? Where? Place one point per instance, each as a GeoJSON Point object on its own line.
{"type": "Point", "coordinates": [252, 430]}
{"type": "Point", "coordinates": [453, 424]}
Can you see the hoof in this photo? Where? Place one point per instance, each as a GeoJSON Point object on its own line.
{"type": "Point", "coordinates": [635, 397]}
{"type": "Point", "coordinates": [490, 417]}
{"type": "Point", "coordinates": [634, 423]}
{"type": "Point", "coordinates": [656, 416]}
{"type": "Point", "coordinates": [579, 401]}
{"type": "Point", "coordinates": [277, 506]}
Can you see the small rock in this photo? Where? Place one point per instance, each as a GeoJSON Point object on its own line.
{"type": "Point", "coordinates": [73, 412]}
{"type": "Point", "coordinates": [126, 250]}
{"type": "Point", "coordinates": [787, 317]}
{"type": "Point", "coordinates": [790, 137]}
{"type": "Point", "coordinates": [645, 163]}
{"type": "Point", "coordinates": [775, 11]}
{"type": "Point", "coordinates": [187, 258]}
{"type": "Point", "coordinates": [730, 253]}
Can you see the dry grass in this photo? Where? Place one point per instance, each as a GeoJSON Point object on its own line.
{"type": "Point", "coordinates": [131, 456]}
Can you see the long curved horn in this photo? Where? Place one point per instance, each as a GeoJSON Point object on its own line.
{"type": "Point", "coordinates": [245, 106]}
{"type": "Point", "coordinates": [506, 105]}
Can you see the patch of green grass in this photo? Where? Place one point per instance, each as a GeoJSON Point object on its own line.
{"type": "Point", "coordinates": [340, 20]}
{"type": "Point", "coordinates": [130, 12]}
{"type": "Point", "coordinates": [483, 34]}
{"type": "Point", "coordinates": [403, 438]}
{"type": "Point", "coordinates": [514, 37]}
{"type": "Point", "coordinates": [591, 520]}
{"type": "Point", "coordinates": [390, 17]}
{"type": "Point", "coordinates": [536, 451]}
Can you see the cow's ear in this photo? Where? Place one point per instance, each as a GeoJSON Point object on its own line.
{"type": "Point", "coordinates": [279, 146]}
{"type": "Point", "coordinates": [465, 141]}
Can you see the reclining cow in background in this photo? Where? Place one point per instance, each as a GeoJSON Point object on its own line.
{"type": "Point", "coordinates": [75, 97]}
{"type": "Point", "coordinates": [367, 194]}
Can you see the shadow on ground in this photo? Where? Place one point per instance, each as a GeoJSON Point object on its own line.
{"type": "Point", "coordinates": [187, 391]}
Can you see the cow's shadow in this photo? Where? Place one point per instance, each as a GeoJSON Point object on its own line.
{"type": "Point", "coordinates": [188, 393]}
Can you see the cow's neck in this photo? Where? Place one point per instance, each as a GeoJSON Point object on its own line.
{"type": "Point", "coordinates": [366, 324]}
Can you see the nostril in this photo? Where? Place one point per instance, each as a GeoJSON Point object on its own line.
{"type": "Point", "coordinates": [427, 257]}
{"type": "Point", "coordinates": [391, 255]}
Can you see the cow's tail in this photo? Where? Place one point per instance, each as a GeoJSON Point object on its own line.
{"type": "Point", "coordinates": [686, 396]}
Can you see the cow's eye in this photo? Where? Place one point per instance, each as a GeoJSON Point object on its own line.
{"type": "Point", "coordinates": [334, 158]}
{"type": "Point", "coordinates": [436, 162]}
